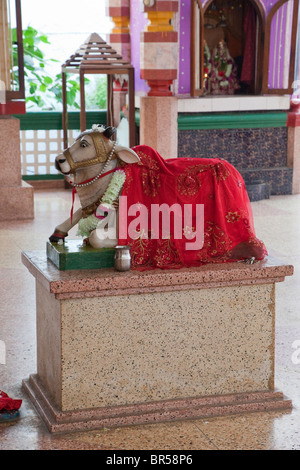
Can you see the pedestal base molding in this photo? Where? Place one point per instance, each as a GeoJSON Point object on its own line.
{"type": "Point", "coordinates": [149, 413]}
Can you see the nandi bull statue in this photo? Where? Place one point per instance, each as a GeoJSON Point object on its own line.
{"type": "Point", "coordinates": [205, 198]}
{"type": "Point", "coordinates": [93, 162]}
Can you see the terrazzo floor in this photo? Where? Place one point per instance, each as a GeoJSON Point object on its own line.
{"type": "Point", "coordinates": [277, 222]}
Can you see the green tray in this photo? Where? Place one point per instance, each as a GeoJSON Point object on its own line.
{"type": "Point", "coordinates": [72, 255]}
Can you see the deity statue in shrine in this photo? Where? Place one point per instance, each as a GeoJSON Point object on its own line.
{"type": "Point", "coordinates": [223, 77]}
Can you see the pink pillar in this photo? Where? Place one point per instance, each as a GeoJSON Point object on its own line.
{"type": "Point", "coordinates": [158, 124]}
{"type": "Point", "coordinates": [293, 151]}
{"type": "Point", "coordinates": [16, 196]}
{"type": "Point", "coordinates": [159, 57]}
{"type": "Point", "coordinates": [159, 48]}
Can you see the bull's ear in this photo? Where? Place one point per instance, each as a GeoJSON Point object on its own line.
{"type": "Point", "coordinates": [126, 154]}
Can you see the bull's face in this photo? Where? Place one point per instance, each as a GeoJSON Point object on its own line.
{"type": "Point", "coordinates": [81, 152]}
{"type": "Point", "coordinates": [93, 147]}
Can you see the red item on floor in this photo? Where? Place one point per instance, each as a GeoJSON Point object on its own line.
{"type": "Point", "coordinates": [8, 404]}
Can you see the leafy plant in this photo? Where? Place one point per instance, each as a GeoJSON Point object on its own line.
{"type": "Point", "coordinates": [36, 79]}
{"type": "Point", "coordinates": [41, 89]}
{"type": "Point", "coordinates": [97, 96]}
{"type": "Point", "coordinates": [72, 89]}
{"type": "Point", "coordinates": [44, 90]}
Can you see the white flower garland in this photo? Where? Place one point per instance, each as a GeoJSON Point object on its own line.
{"type": "Point", "coordinates": [87, 225]}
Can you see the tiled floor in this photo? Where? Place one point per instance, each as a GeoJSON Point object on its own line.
{"type": "Point", "coordinates": [277, 222]}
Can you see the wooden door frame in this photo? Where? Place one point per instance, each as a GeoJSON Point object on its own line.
{"type": "Point", "coordinates": [196, 4]}
{"type": "Point", "coordinates": [280, 91]}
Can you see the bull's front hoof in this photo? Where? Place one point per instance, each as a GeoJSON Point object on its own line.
{"type": "Point", "coordinates": [55, 239]}
{"type": "Point", "coordinates": [57, 236]}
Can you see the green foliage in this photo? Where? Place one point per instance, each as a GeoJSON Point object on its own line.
{"type": "Point", "coordinates": [73, 90]}
{"type": "Point", "coordinates": [36, 79]}
{"type": "Point", "coordinates": [41, 89]}
{"type": "Point", "coordinates": [101, 93]}
{"type": "Point", "coordinates": [44, 90]}
{"type": "Point", "coordinates": [96, 98]}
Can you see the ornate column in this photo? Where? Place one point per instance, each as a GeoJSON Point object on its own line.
{"type": "Point", "coordinates": [119, 38]}
{"type": "Point", "coordinates": [159, 48]}
{"type": "Point", "coordinates": [159, 57]}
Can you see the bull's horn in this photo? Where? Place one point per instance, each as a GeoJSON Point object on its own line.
{"type": "Point", "coordinates": [109, 132]}
{"type": "Point", "coordinates": [126, 154]}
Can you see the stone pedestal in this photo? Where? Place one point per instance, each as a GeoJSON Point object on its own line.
{"type": "Point", "coordinates": [16, 196]}
{"type": "Point", "coordinates": [158, 124]}
{"type": "Point", "coordinates": [129, 348]}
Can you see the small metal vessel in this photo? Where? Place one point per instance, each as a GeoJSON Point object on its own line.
{"type": "Point", "coordinates": [122, 258]}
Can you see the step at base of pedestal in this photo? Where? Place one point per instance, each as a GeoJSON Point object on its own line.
{"type": "Point", "coordinates": [149, 413]}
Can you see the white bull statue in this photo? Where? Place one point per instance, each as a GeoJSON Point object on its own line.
{"type": "Point", "coordinates": [89, 165]}
{"type": "Point", "coordinates": [101, 171]}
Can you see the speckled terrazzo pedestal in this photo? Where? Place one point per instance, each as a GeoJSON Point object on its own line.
{"type": "Point", "coordinates": [16, 196]}
{"type": "Point", "coordinates": [128, 348]}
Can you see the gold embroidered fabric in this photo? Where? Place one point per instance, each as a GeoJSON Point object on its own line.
{"type": "Point", "coordinates": [228, 229]}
